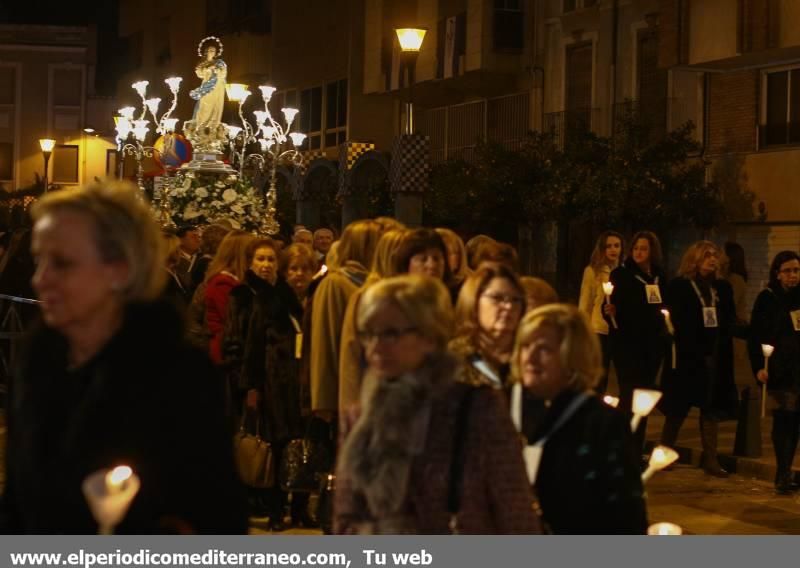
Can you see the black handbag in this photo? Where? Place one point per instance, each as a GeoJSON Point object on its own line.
{"type": "Point", "coordinates": [303, 463]}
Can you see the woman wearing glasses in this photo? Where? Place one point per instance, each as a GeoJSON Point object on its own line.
{"type": "Point", "coordinates": [422, 453]}
{"type": "Point", "coordinates": [489, 308]}
{"type": "Point", "coordinates": [776, 321]}
{"type": "Point", "coordinates": [704, 316]}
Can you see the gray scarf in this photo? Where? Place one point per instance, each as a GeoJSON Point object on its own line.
{"type": "Point", "coordinates": [391, 431]}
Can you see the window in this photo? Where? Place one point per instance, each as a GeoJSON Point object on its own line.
{"type": "Point", "coordinates": [111, 163]}
{"type": "Point", "coordinates": [6, 161]}
{"type": "Point", "coordinates": [572, 5]}
{"type": "Point", "coordinates": [451, 46]}
{"type": "Point", "coordinates": [65, 164]}
{"type": "Point", "coordinates": [335, 113]}
{"type": "Point", "coordinates": [311, 116]}
{"type": "Point", "coordinates": [67, 87]}
{"type": "Point", "coordinates": [782, 112]}
{"type": "Point", "coordinates": [509, 24]}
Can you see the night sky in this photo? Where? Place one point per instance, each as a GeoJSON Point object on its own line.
{"type": "Point", "coordinates": [102, 13]}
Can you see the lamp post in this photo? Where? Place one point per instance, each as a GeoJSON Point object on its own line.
{"type": "Point", "coordinates": [47, 145]}
{"type": "Point", "coordinates": [410, 40]}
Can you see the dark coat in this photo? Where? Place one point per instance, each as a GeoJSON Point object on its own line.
{"type": "Point", "coordinates": [703, 376]}
{"type": "Point", "coordinates": [771, 323]}
{"type": "Point", "coordinates": [259, 351]}
{"type": "Point", "coordinates": [147, 400]}
{"type": "Point", "coordinates": [639, 323]}
{"type": "Point", "coordinates": [638, 342]}
{"type": "Point", "coordinates": [589, 479]}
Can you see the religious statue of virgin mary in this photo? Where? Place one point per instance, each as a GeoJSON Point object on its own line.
{"type": "Point", "coordinates": [206, 130]}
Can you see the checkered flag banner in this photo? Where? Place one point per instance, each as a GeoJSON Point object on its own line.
{"type": "Point", "coordinates": [410, 168]}
{"type": "Point", "coordinates": [349, 153]}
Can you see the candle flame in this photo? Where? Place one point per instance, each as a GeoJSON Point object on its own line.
{"type": "Point", "coordinates": [119, 475]}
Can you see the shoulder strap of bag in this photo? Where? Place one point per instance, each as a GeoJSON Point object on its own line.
{"type": "Point", "coordinates": [458, 459]}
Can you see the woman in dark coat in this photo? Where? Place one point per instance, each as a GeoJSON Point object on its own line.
{"type": "Point", "coordinates": [588, 476]}
{"type": "Point", "coordinates": [704, 316]}
{"type": "Point", "coordinates": [639, 336]}
{"type": "Point", "coordinates": [775, 322]}
{"type": "Point", "coordinates": [263, 319]}
{"type": "Point", "coordinates": [106, 379]}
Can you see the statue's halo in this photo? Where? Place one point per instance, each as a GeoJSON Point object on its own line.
{"type": "Point", "coordinates": [202, 44]}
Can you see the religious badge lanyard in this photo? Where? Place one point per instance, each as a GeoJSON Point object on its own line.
{"type": "Point", "coordinates": [652, 292]}
{"type": "Point", "coordinates": [298, 338]}
{"type": "Point", "coordinates": [710, 319]}
{"type": "Point", "coordinates": [532, 453]}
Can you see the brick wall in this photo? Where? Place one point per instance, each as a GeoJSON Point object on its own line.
{"type": "Point", "coordinates": [733, 112]}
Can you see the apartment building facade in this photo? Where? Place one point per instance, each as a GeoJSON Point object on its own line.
{"type": "Point", "coordinates": [46, 91]}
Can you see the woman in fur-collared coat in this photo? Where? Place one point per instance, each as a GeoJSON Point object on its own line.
{"type": "Point", "coordinates": [416, 426]}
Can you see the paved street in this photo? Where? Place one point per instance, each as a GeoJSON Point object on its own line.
{"type": "Point", "coordinates": [705, 505]}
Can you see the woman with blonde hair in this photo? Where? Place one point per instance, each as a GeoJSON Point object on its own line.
{"type": "Point", "coordinates": [538, 292]}
{"type": "Point", "coordinates": [298, 264]}
{"type": "Point", "coordinates": [395, 471]}
{"type": "Point", "coordinates": [354, 254]}
{"type": "Point", "coordinates": [106, 379]}
{"type": "Point", "coordinates": [225, 272]}
{"type": "Point", "coordinates": [489, 308]}
{"type": "Point", "coordinates": [456, 259]}
{"type": "Point", "coordinates": [588, 476]}
{"type": "Point", "coordinates": [606, 256]}
{"type": "Point", "coordinates": [704, 316]}
{"type": "Point", "coordinates": [351, 354]}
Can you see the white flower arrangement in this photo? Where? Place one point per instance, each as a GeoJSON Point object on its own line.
{"type": "Point", "coordinates": [198, 198]}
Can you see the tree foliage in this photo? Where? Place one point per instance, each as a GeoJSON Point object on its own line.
{"type": "Point", "coordinates": [633, 180]}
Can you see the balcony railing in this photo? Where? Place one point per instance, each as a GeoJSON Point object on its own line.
{"type": "Point", "coordinates": [455, 131]}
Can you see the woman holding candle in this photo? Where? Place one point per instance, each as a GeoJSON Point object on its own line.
{"type": "Point", "coordinates": [776, 321]}
{"type": "Point", "coordinates": [638, 339]}
{"type": "Point", "coordinates": [85, 398]}
{"type": "Point", "coordinates": [703, 314]}
{"type": "Point", "coordinates": [588, 475]}
{"type": "Point", "coordinates": [605, 258]}
{"type": "Point", "coordinates": [423, 450]}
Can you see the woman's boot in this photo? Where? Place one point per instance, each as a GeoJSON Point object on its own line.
{"type": "Point", "coordinates": [669, 435]}
{"type": "Point", "coordinates": [784, 441]}
{"type": "Point", "coordinates": [709, 431]}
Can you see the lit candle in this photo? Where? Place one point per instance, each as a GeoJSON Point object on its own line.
{"type": "Point", "coordinates": [664, 529]}
{"type": "Point", "coordinates": [608, 289]}
{"type": "Point", "coordinates": [611, 401]}
{"type": "Point", "coordinates": [117, 479]}
{"type": "Point", "coordinates": [661, 457]}
{"type": "Point", "coordinates": [767, 351]}
{"type": "Point", "coordinates": [109, 494]}
{"type": "Point", "coordinates": [644, 401]}
{"type": "Point", "coordinates": [671, 331]}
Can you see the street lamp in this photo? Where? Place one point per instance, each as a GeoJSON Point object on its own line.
{"type": "Point", "coordinates": [410, 40]}
{"type": "Point", "coordinates": [47, 145]}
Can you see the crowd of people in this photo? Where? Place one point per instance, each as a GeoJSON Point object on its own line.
{"type": "Point", "coordinates": [456, 395]}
